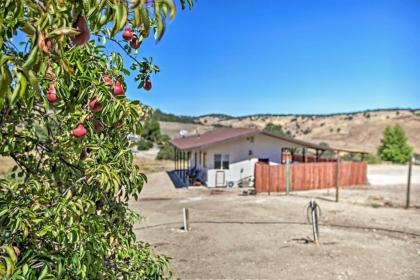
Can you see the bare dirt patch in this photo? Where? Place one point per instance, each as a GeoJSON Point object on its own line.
{"type": "Point", "coordinates": [261, 237]}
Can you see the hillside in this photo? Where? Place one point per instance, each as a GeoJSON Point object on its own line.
{"type": "Point", "coordinates": [351, 130]}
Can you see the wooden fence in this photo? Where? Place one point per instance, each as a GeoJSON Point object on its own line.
{"type": "Point", "coordinates": [308, 176]}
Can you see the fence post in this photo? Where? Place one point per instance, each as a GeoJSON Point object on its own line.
{"type": "Point", "coordinates": [410, 163]}
{"type": "Point", "coordinates": [337, 177]}
{"type": "Point", "coordinates": [185, 218]}
{"type": "Point", "coordinates": [288, 176]}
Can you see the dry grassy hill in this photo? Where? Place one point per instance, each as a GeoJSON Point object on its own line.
{"type": "Point", "coordinates": [351, 130]}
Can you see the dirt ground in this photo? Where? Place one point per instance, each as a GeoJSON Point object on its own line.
{"type": "Point", "coordinates": [367, 235]}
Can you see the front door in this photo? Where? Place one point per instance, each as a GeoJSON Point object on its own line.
{"type": "Point", "coordinates": [220, 178]}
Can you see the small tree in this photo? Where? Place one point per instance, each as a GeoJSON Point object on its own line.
{"type": "Point", "coordinates": [275, 129]}
{"type": "Point", "coordinates": [151, 131]}
{"type": "Point", "coordinates": [166, 152]}
{"type": "Point", "coordinates": [394, 146]}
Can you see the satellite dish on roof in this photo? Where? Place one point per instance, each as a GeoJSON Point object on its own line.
{"type": "Point", "coordinates": [183, 132]}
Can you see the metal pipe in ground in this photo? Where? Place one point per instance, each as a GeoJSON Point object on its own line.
{"type": "Point", "coordinates": [185, 216]}
{"type": "Point", "coordinates": [288, 176]}
{"type": "Point", "coordinates": [410, 163]}
{"type": "Point", "coordinates": [313, 218]}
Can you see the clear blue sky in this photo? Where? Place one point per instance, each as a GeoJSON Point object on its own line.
{"type": "Point", "coordinates": [245, 57]}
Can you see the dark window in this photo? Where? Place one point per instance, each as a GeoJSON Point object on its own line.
{"type": "Point", "coordinates": [226, 161]}
{"type": "Point", "coordinates": [217, 161]}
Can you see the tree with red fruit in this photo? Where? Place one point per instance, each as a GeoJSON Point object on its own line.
{"type": "Point", "coordinates": [63, 207]}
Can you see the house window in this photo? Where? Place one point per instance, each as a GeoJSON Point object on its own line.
{"type": "Point", "coordinates": [225, 162]}
{"type": "Point", "coordinates": [200, 159]}
{"type": "Point", "coordinates": [217, 161]}
{"type": "Point", "coordinates": [221, 161]}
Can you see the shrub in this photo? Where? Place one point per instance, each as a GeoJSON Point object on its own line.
{"type": "Point", "coordinates": [164, 138]}
{"type": "Point", "coordinates": [166, 152]}
{"type": "Point", "coordinates": [275, 129]}
{"type": "Point", "coordinates": [395, 147]}
{"type": "Point", "coordinates": [151, 131]}
{"type": "Point", "coordinates": [373, 158]}
{"type": "Point", "coordinates": [144, 145]}
{"type": "Point", "coordinates": [327, 153]}
{"type": "Point", "coordinates": [351, 157]}
{"type": "Point", "coordinates": [307, 130]}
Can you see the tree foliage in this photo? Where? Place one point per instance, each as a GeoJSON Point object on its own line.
{"type": "Point", "coordinates": [276, 129]}
{"type": "Point", "coordinates": [167, 117]}
{"type": "Point", "coordinates": [395, 145]}
{"type": "Point", "coordinates": [151, 131]}
{"type": "Point", "coordinates": [65, 121]}
{"type": "Point", "coordinates": [166, 152]}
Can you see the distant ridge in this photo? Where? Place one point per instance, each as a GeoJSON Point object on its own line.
{"type": "Point", "coordinates": [162, 116]}
{"type": "Point", "coordinates": [359, 129]}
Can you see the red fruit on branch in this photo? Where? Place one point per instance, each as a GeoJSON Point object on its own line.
{"type": "Point", "coordinates": [99, 125]}
{"type": "Point", "coordinates": [118, 88]}
{"type": "Point", "coordinates": [51, 94]}
{"type": "Point", "coordinates": [147, 84]}
{"type": "Point", "coordinates": [107, 80]}
{"type": "Point", "coordinates": [17, 250]}
{"type": "Point", "coordinates": [43, 43]}
{"type": "Point", "coordinates": [94, 105]}
{"type": "Point", "coordinates": [48, 43]}
{"type": "Point", "coordinates": [135, 42]}
{"type": "Point", "coordinates": [82, 26]}
{"type": "Point", "coordinates": [127, 33]}
{"type": "Point", "coordinates": [79, 131]}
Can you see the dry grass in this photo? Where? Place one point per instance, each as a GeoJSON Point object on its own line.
{"type": "Point", "coordinates": [151, 166]}
{"type": "Point", "coordinates": [359, 130]}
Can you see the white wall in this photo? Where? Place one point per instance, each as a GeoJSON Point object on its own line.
{"type": "Point", "coordinates": [238, 149]}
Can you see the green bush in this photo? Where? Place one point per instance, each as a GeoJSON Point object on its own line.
{"type": "Point", "coordinates": [165, 117]}
{"type": "Point", "coordinates": [276, 129]}
{"type": "Point", "coordinates": [164, 138]}
{"type": "Point", "coordinates": [166, 152]}
{"type": "Point", "coordinates": [151, 131]}
{"type": "Point", "coordinates": [373, 158]}
{"type": "Point", "coordinates": [327, 153]}
{"type": "Point", "coordinates": [144, 145]}
{"type": "Point", "coordinates": [395, 147]}
{"type": "Point", "coordinates": [351, 157]}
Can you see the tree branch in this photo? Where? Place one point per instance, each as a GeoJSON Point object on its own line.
{"type": "Point", "coordinates": [49, 150]}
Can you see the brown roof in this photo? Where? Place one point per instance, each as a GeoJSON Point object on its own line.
{"type": "Point", "coordinates": [212, 137]}
{"type": "Point", "coordinates": [227, 133]}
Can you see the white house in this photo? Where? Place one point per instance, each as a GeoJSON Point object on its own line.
{"type": "Point", "coordinates": [227, 156]}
